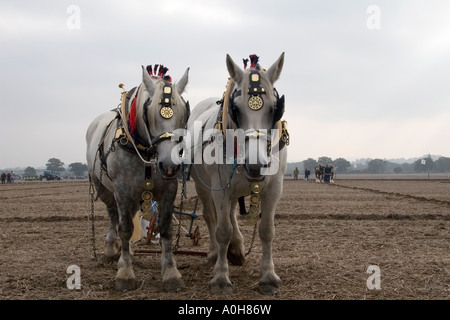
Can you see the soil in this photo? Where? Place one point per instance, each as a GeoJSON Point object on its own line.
{"type": "Point", "coordinates": [327, 236]}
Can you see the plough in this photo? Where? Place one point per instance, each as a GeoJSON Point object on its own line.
{"type": "Point", "coordinates": [152, 229]}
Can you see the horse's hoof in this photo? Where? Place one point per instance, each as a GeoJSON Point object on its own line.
{"type": "Point", "coordinates": [267, 289]}
{"type": "Point", "coordinates": [269, 284]}
{"type": "Point", "coordinates": [220, 287]}
{"type": "Point", "coordinates": [125, 284]}
{"type": "Point", "coordinates": [174, 284]}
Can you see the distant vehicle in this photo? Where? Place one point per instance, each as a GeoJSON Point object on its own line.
{"type": "Point", "coordinates": [47, 176]}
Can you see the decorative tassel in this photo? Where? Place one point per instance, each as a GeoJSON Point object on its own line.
{"type": "Point", "coordinates": [254, 62]}
{"type": "Point", "coordinates": [159, 71]}
{"type": "Point", "coordinates": [132, 117]}
{"type": "Point", "coordinates": [245, 63]}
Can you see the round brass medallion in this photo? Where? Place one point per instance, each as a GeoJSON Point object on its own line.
{"type": "Point", "coordinates": [146, 206]}
{"type": "Point", "coordinates": [255, 187]}
{"type": "Point", "coordinates": [255, 199]}
{"type": "Point", "coordinates": [255, 103]}
{"type": "Point", "coordinates": [147, 196]}
{"type": "Point", "coordinates": [253, 210]}
{"type": "Point", "coordinates": [148, 184]}
{"type": "Point", "coordinates": [166, 112]}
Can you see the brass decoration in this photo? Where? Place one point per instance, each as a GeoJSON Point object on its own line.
{"type": "Point", "coordinates": [253, 212]}
{"type": "Point", "coordinates": [166, 135]}
{"type": "Point", "coordinates": [255, 188]}
{"type": "Point", "coordinates": [255, 77]}
{"type": "Point", "coordinates": [284, 133]}
{"type": "Point", "coordinates": [166, 112]}
{"type": "Point", "coordinates": [255, 103]}
{"type": "Point", "coordinates": [119, 133]}
{"type": "Point", "coordinates": [147, 196]}
{"type": "Point", "coordinates": [167, 90]}
{"type": "Point", "coordinates": [148, 184]}
{"type": "Point", "coordinates": [255, 134]}
{"type": "Point", "coordinates": [255, 201]}
{"type": "Point", "coordinates": [145, 207]}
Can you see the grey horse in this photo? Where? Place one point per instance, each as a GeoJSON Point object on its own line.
{"type": "Point", "coordinates": [225, 170]}
{"type": "Point", "coordinates": [130, 167]}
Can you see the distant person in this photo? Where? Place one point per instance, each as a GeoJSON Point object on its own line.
{"type": "Point", "coordinates": [8, 177]}
{"type": "Point", "coordinates": [296, 172]}
{"type": "Point", "coordinates": [307, 174]}
{"type": "Point", "coordinates": [327, 173]}
{"type": "Point", "coordinates": [3, 177]}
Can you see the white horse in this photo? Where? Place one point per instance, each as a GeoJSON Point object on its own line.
{"type": "Point", "coordinates": [130, 163]}
{"type": "Point", "coordinates": [224, 171]}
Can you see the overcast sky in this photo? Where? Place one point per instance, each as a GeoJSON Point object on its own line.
{"type": "Point", "coordinates": [361, 78]}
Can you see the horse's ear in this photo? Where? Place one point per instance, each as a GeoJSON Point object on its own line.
{"type": "Point", "coordinates": [273, 73]}
{"type": "Point", "coordinates": [235, 72]}
{"type": "Point", "coordinates": [148, 81]}
{"type": "Point", "coordinates": [181, 84]}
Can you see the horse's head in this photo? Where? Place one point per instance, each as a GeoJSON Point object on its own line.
{"type": "Point", "coordinates": [161, 111]}
{"type": "Point", "coordinates": [255, 107]}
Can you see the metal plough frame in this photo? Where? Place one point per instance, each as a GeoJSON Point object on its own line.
{"type": "Point", "coordinates": [194, 235]}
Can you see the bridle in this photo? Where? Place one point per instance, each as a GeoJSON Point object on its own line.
{"type": "Point", "coordinates": [256, 103]}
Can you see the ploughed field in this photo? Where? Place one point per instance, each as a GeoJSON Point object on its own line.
{"type": "Point", "coordinates": [327, 236]}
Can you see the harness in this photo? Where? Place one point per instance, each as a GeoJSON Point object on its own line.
{"type": "Point", "coordinates": [130, 140]}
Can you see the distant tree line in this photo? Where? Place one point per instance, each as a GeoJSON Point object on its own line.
{"type": "Point", "coordinates": [427, 164]}
{"type": "Point", "coordinates": [341, 165]}
{"type": "Point", "coordinates": [55, 165]}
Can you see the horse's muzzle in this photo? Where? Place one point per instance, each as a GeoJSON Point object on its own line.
{"type": "Point", "coordinates": [253, 172]}
{"type": "Point", "coordinates": [168, 171]}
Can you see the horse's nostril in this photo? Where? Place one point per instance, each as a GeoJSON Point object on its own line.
{"type": "Point", "coordinates": [168, 169]}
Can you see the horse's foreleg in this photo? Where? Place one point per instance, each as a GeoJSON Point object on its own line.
{"type": "Point", "coordinates": [224, 231]}
{"type": "Point", "coordinates": [269, 281]}
{"type": "Point", "coordinates": [171, 277]}
{"type": "Point", "coordinates": [125, 278]}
